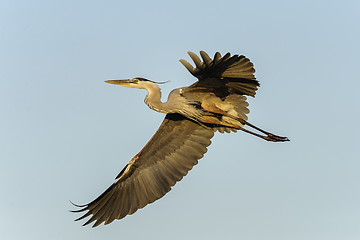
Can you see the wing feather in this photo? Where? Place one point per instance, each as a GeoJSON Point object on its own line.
{"type": "Point", "coordinates": [217, 58]}
{"type": "Point", "coordinates": [188, 66]}
{"type": "Point", "coordinates": [206, 58]}
{"type": "Point", "coordinates": [174, 149]}
{"type": "Point", "coordinates": [196, 60]}
{"type": "Point", "coordinates": [223, 75]}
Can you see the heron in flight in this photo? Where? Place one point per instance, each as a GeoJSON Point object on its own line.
{"type": "Point", "coordinates": [216, 102]}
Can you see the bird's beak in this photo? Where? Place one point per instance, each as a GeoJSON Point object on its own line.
{"type": "Point", "coordinates": [124, 82]}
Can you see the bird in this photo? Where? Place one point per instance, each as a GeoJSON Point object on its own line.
{"type": "Point", "coordinates": [216, 102]}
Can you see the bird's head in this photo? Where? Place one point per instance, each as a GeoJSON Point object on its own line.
{"type": "Point", "coordinates": [138, 82]}
{"type": "Point", "coordinates": [131, 83]}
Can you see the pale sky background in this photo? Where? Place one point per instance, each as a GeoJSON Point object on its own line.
{"type": "Point", "coordinates": [65, 134]}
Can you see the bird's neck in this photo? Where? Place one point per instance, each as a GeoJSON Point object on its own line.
{"type": "Point", "coordinates": [153, 98]}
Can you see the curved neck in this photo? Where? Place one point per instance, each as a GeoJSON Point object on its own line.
{"type": "Point", "coordinates": [153, 98]}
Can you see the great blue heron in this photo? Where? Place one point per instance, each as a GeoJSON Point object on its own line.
{"type": "Point", "coordinates": [216, 102]}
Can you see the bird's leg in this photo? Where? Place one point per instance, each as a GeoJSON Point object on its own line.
{"type": "Point", "coordinates": [269, 136]}
{"type": "Point", "coordinates": [215, 109]}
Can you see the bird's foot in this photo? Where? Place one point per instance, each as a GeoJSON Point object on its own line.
{"type": "Point", "coordinates": [274, 138]}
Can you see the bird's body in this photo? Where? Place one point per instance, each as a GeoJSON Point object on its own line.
{"type": "Point", "coordinates": [216, 102]}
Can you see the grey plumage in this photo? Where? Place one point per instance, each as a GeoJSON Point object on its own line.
{"type": "Point", "coordinates": [216, 102]}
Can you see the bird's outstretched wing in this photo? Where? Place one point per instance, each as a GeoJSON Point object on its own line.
{"type": "Point", "coordinates": [174, 149]}
{"type": "Point", "coordinates": [223, 75]}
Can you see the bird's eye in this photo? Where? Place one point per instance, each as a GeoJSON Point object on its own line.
{"type": "Point", "coordinates": [134, 80]}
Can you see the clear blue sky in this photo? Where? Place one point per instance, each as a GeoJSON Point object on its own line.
{"type": "Point", "coordinates": [65, 134]}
